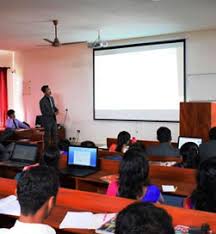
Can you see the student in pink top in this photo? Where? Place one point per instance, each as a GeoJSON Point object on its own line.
{"type": "Point", "coordinates": [123, 141]}
{"type": "Point", "coordinates": [133, 180]}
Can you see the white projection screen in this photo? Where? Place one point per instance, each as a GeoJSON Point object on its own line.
{"type": "Point", "coordinates": [142, 82]}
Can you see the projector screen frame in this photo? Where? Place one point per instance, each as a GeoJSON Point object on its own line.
{"type": "Point", "coordinates": [137, 45]}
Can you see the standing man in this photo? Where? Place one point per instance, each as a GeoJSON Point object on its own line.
{"type": "Point", "coordinates": [49, 111]}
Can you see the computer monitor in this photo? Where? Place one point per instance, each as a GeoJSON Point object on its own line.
{"type": "Point", "coordinates": [182, 140]}
{"type": "Point", "coordinates": [82, 156]}
{"type": "Point", "coordinates": [38, 121]}
{"type": "Point", "coordinates": [25, 153]}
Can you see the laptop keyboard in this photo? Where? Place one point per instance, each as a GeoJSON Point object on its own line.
{"type": "Point", "coordinates": [78, 171]}
{"type": "Point", "coordinates": [16, 164]}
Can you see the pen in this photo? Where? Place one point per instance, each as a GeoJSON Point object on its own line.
{"type": "Point", "coordinates": [104, 217]}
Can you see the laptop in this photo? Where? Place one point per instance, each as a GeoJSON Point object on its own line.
{"type": "Point", "coordinates": [22, 155]}
{"type": "Point", "coordinates": [81, 161]}
{"type": "Point", "coordinates": [182, 140]}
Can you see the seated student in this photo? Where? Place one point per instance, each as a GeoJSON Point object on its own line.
{"type": "Point", "coordinates": [208, 149]}
{"type": "Point", "coordinates": [133, 180]}
{"type": "Point", "coordinates": [51, 157]}
{"type": "Point", "coordinates": [5, 151]}
{"type": "Point", "coordinates": [36, 193]}
{"type": "Point", "coordinates": [88, 144]}
{"type": "Point", "coordinates": [123, 141]}
{"type": "Point", "coordinates": [204, 196]}
{"type": "Point", "coordinates": [6, 135]}
{"type": "Point", "coordinates": [63, 145]}
{"type": "Point", "coordinates": [190, 156]}
{"type": "Point", "coordinates": [164, 148]}
{"type": "Point", "coordinates": [14, 123]}
{"type": "Point", "coordinates": [145, 218]}
{"type": "Point", "coordinates": [138, 146]}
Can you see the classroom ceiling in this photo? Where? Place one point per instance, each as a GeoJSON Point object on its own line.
{"type": "Point", "coordinates": [24, 23]}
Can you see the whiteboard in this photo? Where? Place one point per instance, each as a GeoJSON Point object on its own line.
{"type": "Point", "coordinates": [201, 87]}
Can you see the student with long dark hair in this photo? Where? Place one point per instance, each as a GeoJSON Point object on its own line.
{"type": "Point", "coordinates": [51, 156]}
{"type": "Point", "coordinates": [204, 196]}
{"type": "Point", "coordinates": [133, 180]}
{"type": "Point", "coordinates": [190, 156]}
{"type": "Point", "coordinates": [123, 141]}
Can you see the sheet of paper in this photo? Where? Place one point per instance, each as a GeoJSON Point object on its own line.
{"type": "Point", "coordinates": [100, 219]}
{"type": "Point", "coordinates": [167, 164]}
{"type": "Point", "coordinates": [10, 206]}
{"type": "Point", "coordinates": [84, 220]}
{"type": "Point", "coordinates": [168, 188]}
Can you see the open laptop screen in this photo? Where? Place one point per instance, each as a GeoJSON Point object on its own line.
{"type": "Point", "coordinates": [182, 140]}
{"type": "Point", "coordinates": [24, 152]}
{"type": "Point", "coordinates": [82, 156]}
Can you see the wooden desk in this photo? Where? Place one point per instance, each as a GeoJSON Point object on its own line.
{"type": "Point", "coordinates": [33, 134]}
{"type": "Point", "coordinates": [68, 200]}
{"type": "Point", "coordinates": [93, 183]}
{"type": "Point", "coordinates": [183, 179]}
{"type": "Point", "coordinates": [111, 141]}
{"type": "Point", "coordinates": [152, 158]}
{"type": "Point", "coordinates": [61, 132]}
{"type": "Point", "coordinates": [71, 200]}
{"type": "Point", "coordinates": [105, 153]}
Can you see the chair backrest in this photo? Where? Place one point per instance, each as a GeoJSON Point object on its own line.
{"type": "Point", "coordinates": [104, 153]}
{"type": "Point", "coordinates": [164, 158]}
{"type": "Point", "coordinates": [147, 143]}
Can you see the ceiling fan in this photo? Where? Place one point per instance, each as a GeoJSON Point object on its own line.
{"type": "Point", "coordinates": [56, 42]}
{"type": "Point", "coordinates": [98, 43]}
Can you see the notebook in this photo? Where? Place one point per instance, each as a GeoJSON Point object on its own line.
{"type": "Point", "coordinates": [22, 155]}
{"type": "Point", "coordinates": [85, 220]}
{"type": "Point", "coordinates": [182, 140]}
{"type": "Point", "coordinates": [108, 227]}
{"type": "Point", "coordinates": [10, 206]}
{"type": "Point", "coordinates": [81, 161]}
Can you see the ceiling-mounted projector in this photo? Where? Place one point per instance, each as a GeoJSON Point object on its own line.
{"type": "Point", "coordinates": [98, 43]}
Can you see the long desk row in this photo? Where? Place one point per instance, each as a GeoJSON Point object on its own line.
{"type": "Point", "coordinates": [147, 143]}
{"type": "Point", "coordinates": [183, 179]}
{"type": "Point", "coordinates": [33, 134]}
{"type": "Point", "coordinates": [152, 158]}
{"type": "Point", "coordinates": [73, 200]}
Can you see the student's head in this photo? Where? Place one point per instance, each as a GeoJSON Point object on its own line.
{"type": "Point", "coordinates": [164, 135]}
{"type": "Point", "coordinates": [36, 191]}
{"type": "Point", "coordinates": [145, 218]}
{"type": "Point", "coordinates": [46, 90]}
{"type": "Point", "coordinates": [138, 146]}
{"type": "Point", "coordinates": [122, 140]}
{"type": "Point", "coordinates": [11, 113]}
{"type": "Point", "coordinates": [133, 174]}
{"type": "Point", "coordinates": [204, 196]}
{"type": "Point", "coordinates": [212, 133]}
{"type": "Point", "coordinates": [51, 156]}
{"type": "Point", "coordinates": [190, 154]}
{"type": "Point", "coordinates": [88, 144]}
